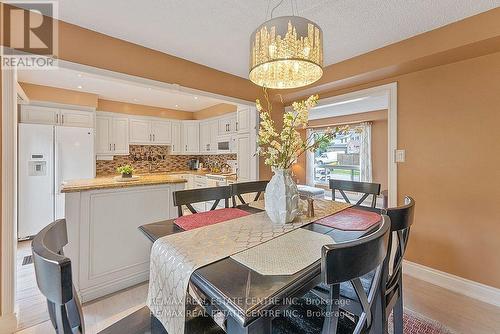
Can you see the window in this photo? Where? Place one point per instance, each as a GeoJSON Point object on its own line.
{"type": "Point", "coordinates": [339, 160]}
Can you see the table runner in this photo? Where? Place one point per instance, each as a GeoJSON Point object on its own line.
{"type": "Point", "coordinates": [175, 257]}
{"type": "Point", "coordinates": [286, 255]}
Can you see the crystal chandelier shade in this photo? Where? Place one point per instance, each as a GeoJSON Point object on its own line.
{"type": "Point", "coordinates": [286, 52]}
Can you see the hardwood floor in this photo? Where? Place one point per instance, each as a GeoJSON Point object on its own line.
{"type": "Point", "coordinates": [458, 312]}
{"type": "Point", "coordinates": [31, 303]}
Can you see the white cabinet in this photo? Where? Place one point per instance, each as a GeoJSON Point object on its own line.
{"type": "Point", "coordinates": [208, 136]}
{"type": "Point", "coordinates": [176, 138]}
{"type": "Point", "coordinates": [227, 124]}
{"type": "Point", "coordinates": [191, 137]}
{"type": "Point", "coordinates": [244, 157]}
{"type": "Point", "coordinates": [112, 135]}
{"type": "Point", "coordinates": [120, 135]}
{"type": "Point", "coordinates": [204, 137]}
{"type": "Point", "coordinates": [162, 132]}
{"type": "Point", "coordinates": [39, 115]}
{"type": "Point", "coordinates": [77, 118]}
{"type": "Point", "coordinates": [243, 120]}
{"type": "Point", "coordinates": [150, 132]}
{"type": "Point", "coordinates": [190, 180]}
{"type": "Point", "coordinates": [140, 131]}
{"type": "Point", "coordinates": [55, 116]}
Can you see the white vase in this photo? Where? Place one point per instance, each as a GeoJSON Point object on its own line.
{"type": "Point", "coordinates": [281, 197]}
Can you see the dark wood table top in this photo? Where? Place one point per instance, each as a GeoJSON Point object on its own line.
{"type": "Point", "coordinates": [241, 292]}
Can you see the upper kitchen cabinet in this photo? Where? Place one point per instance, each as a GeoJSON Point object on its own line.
{"type": "Point", "coordinates": [227, 124]}
{"type": "Point", "coordinates": [78, 118]}
{"type": "Point", "coordinates": [191, 137]}
{"type": "Point", "coordinates": [208, 136]}
{"type": "Point", "coordinates": [243, 120]}
{"type": "Point", "coordinates": [56, 116]}
{"type": "Point", "coordinates": [112, 135]}
{"type": "Point", "coordinates": [150, 132]}
{"type": "Point", "coordinates": [176, 138]}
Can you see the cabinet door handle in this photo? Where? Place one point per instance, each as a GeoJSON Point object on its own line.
{"type": "Point", "coordinates": [57, 118]}
{"type": "Point", "coordinates": [154, 138]}
{"type": "Point", "coordinates": [62, 119]}
{"type": "Point", "coordinates": [236, 126]}
{"type": "Point", "coordinates": [110, 147]}
{"type": "Point", "coordinates": [114, 147]}
{"type": "Point", "coordinates": [173, 147]}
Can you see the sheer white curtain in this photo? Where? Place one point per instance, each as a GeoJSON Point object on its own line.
{"type": "Point", "coordinates": [309, 163]}
{"type": "Point", "coordinates": [365, 152]}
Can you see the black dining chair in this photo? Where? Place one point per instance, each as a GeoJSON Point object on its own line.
{"type": "Point", "coordinates": [392, 283]}
{"type": "Point", "coordinates": [54, 279]}
{"type": "Point", "coordinates": [191, 196]}
{"type": "Point", "coordinates": [401, 222]}
{"type": "Point", "coordinates": [366, 188]}
{"type": "Point", "coordinates": [239, 189]}
{"type": "Point", "coordinates": [346, 263]}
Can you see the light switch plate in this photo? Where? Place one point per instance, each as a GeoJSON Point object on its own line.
{"type": "Point", "coordinates": [400, 155]}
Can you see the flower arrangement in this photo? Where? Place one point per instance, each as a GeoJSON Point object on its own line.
{"type": "Point", "coordinates": [281, 150]}
{"type": "Point", "coordinates": [125, 171]}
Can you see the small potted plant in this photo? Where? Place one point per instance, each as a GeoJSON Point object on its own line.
{"type": "Point", "coordinates": [126, 171]}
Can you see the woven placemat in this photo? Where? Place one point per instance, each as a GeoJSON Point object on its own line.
{"type": "Point", "coordinates": [285, 255]}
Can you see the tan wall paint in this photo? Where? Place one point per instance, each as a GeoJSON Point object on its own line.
{"type": "Point", "coordinates": [141, 110]}
{"type": "Point", "coordinates": [379, 142]}
{"type": "Point", "coordinates": [217, 110]}
{"type": "Point", "coordinates": [58, 95]}
{"type": "Point", "coordinates": [1, 173]}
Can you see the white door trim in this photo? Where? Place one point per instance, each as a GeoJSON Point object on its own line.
{"type": "Point", "coordinates": [391, 90]}
{"type": "Point", "coordinates": [8, 319]}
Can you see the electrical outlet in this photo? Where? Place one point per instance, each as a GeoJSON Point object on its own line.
{"type": "Point", "coordinates": [399, 155]}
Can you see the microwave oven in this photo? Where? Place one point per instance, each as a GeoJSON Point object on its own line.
{"type": "Point", "coordinates": [225, 144]}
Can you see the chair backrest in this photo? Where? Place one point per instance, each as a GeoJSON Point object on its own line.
{"type": "Point", "coordinates": [188, 197]}
{"type": "Point", "coordinates": [366, 188]}
{"type": "Point", "coordinates": [53, 277]}
{"type": "Point", "coordinates": [348, 262]}
{"type": "Point", "coordinates": [238, 189]}
{"type": "Point", "coordinates": [401, 221]}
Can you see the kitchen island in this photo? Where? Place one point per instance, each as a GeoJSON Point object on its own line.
{"type": "Point", "coordinates": [107, 251]}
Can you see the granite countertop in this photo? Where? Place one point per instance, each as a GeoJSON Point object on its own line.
{"type": "Point", "coordinates": [107, 182]}
{"type": "Point", "coordinates": [110, 182]}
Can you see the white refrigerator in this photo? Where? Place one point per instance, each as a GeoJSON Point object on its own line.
{"type": "Point", "coordinates": [47, 156]}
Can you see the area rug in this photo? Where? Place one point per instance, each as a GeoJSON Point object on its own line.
{"type": "Point", "coordinates": [416, 323]}
{"type": "Point", "coordinates": [301, 321]}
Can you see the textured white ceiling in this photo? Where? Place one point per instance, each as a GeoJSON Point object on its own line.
{"type": "Point", "coordinates": [216, 32]}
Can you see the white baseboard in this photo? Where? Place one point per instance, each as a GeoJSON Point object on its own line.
{"type": "Point", "coordinates": [479, 291]}
{"type": "Point", "coordinates": [8, 323]}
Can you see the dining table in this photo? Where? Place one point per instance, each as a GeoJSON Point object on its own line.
{"type": "Point", "coordinates": [242, 300]}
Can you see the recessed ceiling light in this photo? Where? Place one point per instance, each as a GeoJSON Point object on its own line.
{"type": "Point", "coordinates": [80, 87]}
{"type": "Point", "coordinates": [79, 75]}
{"type": "Point", "coordinates": [149, 88]}
{"type": "Point", "coordinates": [196, 97]}
{"type": "Point", "coordinates": [135, 100]}
{"type": "Point", "coordinates": [177, 106]}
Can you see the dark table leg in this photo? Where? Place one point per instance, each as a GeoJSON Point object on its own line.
{"type": "Point", "coordinates": [259, 326]}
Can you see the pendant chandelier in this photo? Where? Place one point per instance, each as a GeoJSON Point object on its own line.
{"type": "Point", "coordinates": [286, 52]}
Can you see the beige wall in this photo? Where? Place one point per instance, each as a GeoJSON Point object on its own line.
{"type": "Point", "coordinates": [142, 110]}
{"type": "Point", "coordinates": [379, 142]}
{"type": "Point", "coordinates": [217, 110]}
{"type": "Point", "coordinates": [58, 95]}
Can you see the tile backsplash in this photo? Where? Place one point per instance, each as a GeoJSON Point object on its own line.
{"type": "Point", "coordinates": [159, 157]}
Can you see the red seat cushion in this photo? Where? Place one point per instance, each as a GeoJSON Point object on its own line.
{"type": "Point", "coordinates": [209, 218]}
{"type": "Point", "coordinates": [351, 219]}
